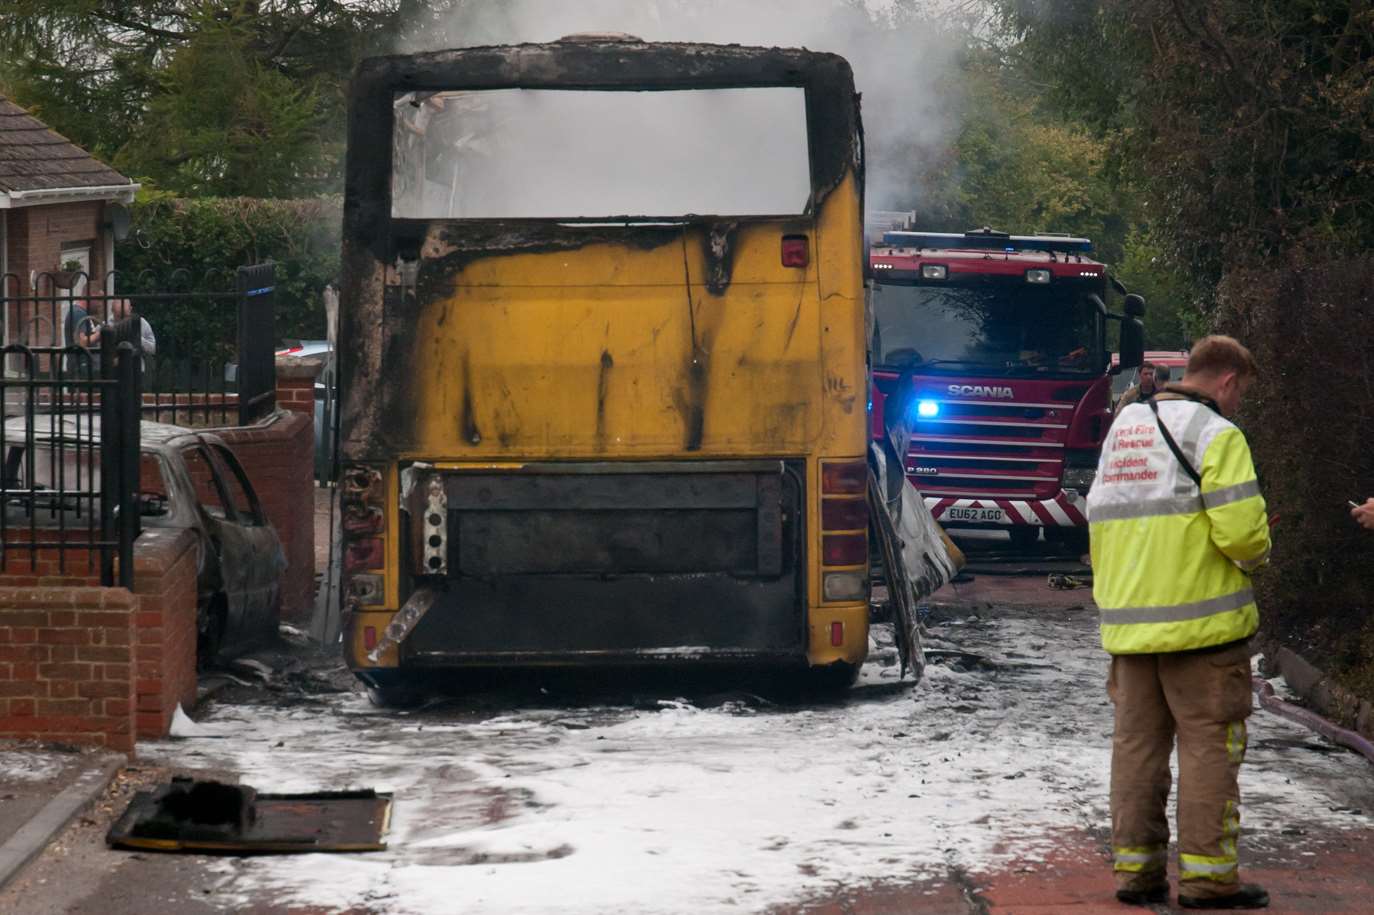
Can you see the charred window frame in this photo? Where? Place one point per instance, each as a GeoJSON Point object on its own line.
{"type": "Point", "coordinates": [832, 121]}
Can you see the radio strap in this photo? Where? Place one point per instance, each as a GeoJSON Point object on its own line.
{"type": "Point", "coordinates": [1173, 445]}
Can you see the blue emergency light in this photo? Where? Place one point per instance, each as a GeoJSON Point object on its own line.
{"type": "Point", "coordinates": [988, 241]}
{"type": "Point", "coordinates": [927, 408]}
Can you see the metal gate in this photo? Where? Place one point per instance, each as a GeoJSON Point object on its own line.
{"type": "Point", "coordinates": [70, 450]}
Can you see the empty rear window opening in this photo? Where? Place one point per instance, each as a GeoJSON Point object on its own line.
{"type": "Point", "coordinates": [561, 154]}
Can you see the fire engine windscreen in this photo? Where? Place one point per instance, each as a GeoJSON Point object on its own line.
{"type": "Point", "coordinates": [993, 326]}
{"type": "Point", "coordinates": [529, 154]}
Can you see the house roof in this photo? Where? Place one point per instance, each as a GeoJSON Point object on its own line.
{"type": "Point", "coordinates": [39, 163]}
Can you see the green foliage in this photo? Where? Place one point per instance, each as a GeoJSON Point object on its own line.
{"type": "Point", "coordinates": [196, 245]}
{"type": "Point", "coordinates": [1309, 320]}
{"type": "Point", "coordinates": [1174, 316]}
{"type": "Point", "coordinates": [1248, 126]}
{"type": "Point", "coordinates": [247, 129]}
{"type": "Point", "coordinates": [1016, 172]}
{"type": "Point", "coordinates": [1250, 123]}
{"type": "Point", "coordinates": [214, 97]}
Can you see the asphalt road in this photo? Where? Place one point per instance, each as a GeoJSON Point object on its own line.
{"type": "Point", "coordinates": [651, 796]}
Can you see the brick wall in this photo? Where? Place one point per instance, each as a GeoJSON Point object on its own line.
{"type": "Point", "coordinates": [66, 665]}
{"type": "Point", "coordinates": [162, 616]}
{"type": "Point", "coordinates": [278, 455]}
{"type": "Point", "coordinates": [165, 627]}
{"type": "Point", "coordinates": [47, 566]}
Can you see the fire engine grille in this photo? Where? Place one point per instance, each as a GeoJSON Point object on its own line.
{"type": "Point", "coordinates": [1004, 450]}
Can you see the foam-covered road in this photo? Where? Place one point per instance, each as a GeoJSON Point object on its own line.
{"type": "Point", "coordinates": [982, 788]}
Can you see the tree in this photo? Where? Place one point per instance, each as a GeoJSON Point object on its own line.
{"type": "Point", "coordinates": [202, 96]}
{"type": "Point", "coordinates": [1250, 121]}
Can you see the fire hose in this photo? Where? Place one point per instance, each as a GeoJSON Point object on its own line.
{"type": "Point", "coordinates": [1311, 720]}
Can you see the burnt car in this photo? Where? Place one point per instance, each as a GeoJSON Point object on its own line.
{"type": "Point", "coordinates": [187, 479]}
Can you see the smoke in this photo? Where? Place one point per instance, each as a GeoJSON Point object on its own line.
{"type": "Point", "coordinates": [905, 55]}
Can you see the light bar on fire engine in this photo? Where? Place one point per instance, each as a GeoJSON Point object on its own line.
{"type": "Point", "coordinates": [988, 241]}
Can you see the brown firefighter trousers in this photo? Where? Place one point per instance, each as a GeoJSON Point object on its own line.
{"type": "Point", "coordinates": [1204, 698]}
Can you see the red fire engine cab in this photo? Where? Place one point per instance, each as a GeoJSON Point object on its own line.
{"type": "Point", "coordinates": [1005, 339]}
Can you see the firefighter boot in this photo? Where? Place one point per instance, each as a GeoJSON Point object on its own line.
{"type": "Point", "coordinates": [1157, 895]}
{"type": "Point", "coordinates": [1246, 896]}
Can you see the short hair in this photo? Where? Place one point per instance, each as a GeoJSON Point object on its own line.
{"type": "Point", "coordinates": [1162, 373]}
{"type": "Point", "coordinates": [1217, 354]}
{"type": "Point", "coordinates": [1147, 364]}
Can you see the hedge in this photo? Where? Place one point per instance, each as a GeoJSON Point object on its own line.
{"type": "Point", "coordinates": [210, 238]}
{"type": "Point", "coordinates": [1309, 418]}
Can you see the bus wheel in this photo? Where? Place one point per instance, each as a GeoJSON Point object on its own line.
{"type": "Point", "coordinates": [394, 697]}
{"type": "Point", "coordinates": [832, 679]}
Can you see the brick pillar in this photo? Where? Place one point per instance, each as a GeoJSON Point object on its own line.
{"type": "Point", "coordinates": [165, 632]}
{"type": "Point", "coordinates": [296, 383]}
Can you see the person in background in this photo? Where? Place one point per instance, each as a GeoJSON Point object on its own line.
{"type": "Point", "coordinates": [1177, 523]}
{"type": "Point", "coordinates": [1146, 388]}
{"type": "Point", "coordinates": [1364, 514]}
{"type": "Point", "coordinates": [139, 333]}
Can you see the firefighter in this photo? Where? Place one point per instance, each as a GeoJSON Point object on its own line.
{"type": "Point", "coordinates": [1177, 523]}
{"type": "Point", "coordinates": [1147, 387]}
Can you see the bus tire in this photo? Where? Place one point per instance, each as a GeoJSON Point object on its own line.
{"type": "Point", "coordinates": [832, 679]}
{"type": "Point", "coordinates": [394, 697]}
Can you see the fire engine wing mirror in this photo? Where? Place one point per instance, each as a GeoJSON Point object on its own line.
{"type": "Point", "coordinates": [1132, 333]}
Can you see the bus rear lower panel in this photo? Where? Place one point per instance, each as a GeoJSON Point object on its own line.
{"type": "Point", "coordinates": [613, 562]}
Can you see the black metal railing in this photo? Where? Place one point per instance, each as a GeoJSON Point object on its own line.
{"type": "Point", "coordinates": [206, 345]}
{"type": "Point", "coordinates": [70, 447]}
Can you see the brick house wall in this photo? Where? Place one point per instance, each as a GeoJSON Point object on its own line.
{"type": "Point", "coordinates": [38, 233]}
{"type": "Point", "coordinates": [67, 665]}
{"type": "Point", "coordinates": [35, 238]}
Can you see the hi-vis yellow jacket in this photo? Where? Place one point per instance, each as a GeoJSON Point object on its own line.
{"type": "Point", "coordinates": [1170, 561]}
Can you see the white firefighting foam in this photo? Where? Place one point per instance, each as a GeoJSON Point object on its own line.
{"type": "Point", "coordinates": [734, 807]}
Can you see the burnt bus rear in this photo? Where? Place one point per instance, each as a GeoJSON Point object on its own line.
{"type": "Point", "coordinates": [570, 436]}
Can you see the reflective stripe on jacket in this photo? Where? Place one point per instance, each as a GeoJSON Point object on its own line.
{"type": "Point", "coordinates": [1170, 560]}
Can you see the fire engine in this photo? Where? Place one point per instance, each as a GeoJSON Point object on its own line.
{"type": "Point", "coordinates": [1005, 338]}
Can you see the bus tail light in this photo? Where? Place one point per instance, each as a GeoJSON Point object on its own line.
{"type": "Point", "coordinates": [837, 634]}
{"type": "Point", "coordinates": [844, 549]}
{"type": "Point", "coordinates": [846, 478]}
{"type": "Point", "coordinates": [369, 637]}
{"type": "Point", "coordinates": [844, 515]}
{"type": "Point", "coordinates": [796, 251]}
{"type": "Point", "coordinates": [362, 507]}
{"type": "Point", "coordinates": [364, 555]}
